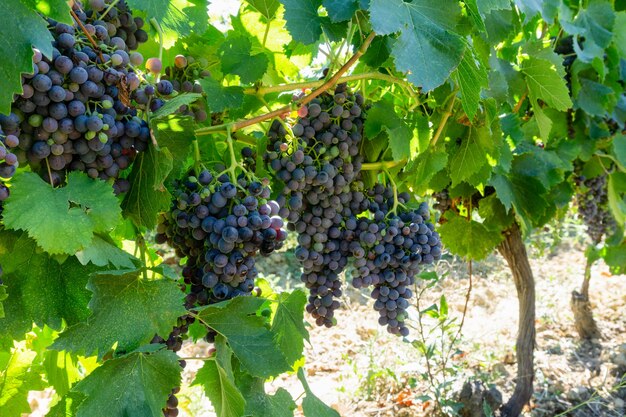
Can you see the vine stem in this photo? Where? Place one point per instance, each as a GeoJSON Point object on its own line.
{"type": "Point", "coordinates": [382, 165]}
{"type": "Point", "coordinates": [111, 6]}
{"type": "Point", "coordinates": [519, 103]}
{"type": "Point", "coordinates": [84, 29]}
{"type": "Point", "coordinates": [307, 99]}
{"type": "Point", "coordinates": [444, 120]}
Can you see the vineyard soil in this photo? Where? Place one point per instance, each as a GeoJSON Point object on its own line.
{"type": "Point", "coordinates": [567, 372]}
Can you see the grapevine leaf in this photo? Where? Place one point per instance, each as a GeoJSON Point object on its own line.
{"type": "Point", "coordinates": [378, 51]}
{"type": "Point", "coordinates": [175, 133]}
{"type": "Point", "coordinates": [595, 98]}
{"type": "Point", "coordinates": [237, 58]}
{"type": "Point", "coordinates": [267, 8]}
{"type": "Point", "coordinates": [615, 258]}
{"type": "Point", "coordinates": [524, 194]}
{"type": "Point", "coordinates": [102, 252]}
{"type": "Point", "coordinates": [67, 406]}
{"type": "Point", "coordinates": [303, 22]}
{"type": "Point", "coordinates": [126, 309]}
{"type": "Point", "coordinates": [252, 343]}
{"type": "Point", "coordinates": [58, 10]}
{"type": "Point", "coordinates": [148, 196]}
{"type": "Point", "coordinates": [544, 83]}
{"type": "Point", "coordinates": [382, 117]}
{"type": "Point", "coordinates": [424, 167]}
{"type": "Point", "coordinates": [426, 35]}
{"type": "Point", "coordinates": [216, 377]}
{"type": "Point", "coordinates": [487, 6]}
{"type": "Point", "coordinates": [61, 220]}
{"type": "Point", "coordinates": [220, 98]}
{"type": "Point", "coordinates": [288, 325]}
{"type": "Point", "coordinates": [619, 36]}
{"type": "Point", "coordinates": [134, 385]}
{"type": "Point", "coordinates": [59, 288]}
{"type": "Point", "coordinates": [3, 296]}
{"type": "Point", "coordinates": [594, 22]}
{"type": "Point", "coordinates": [471, 156]}
{"type": "Point", "coordinates": [616, 190]}
{"type": "Point", "coordinates": [619, 149]}
{"type": "Point", "coordinates": [471, 79]}
{"type": "Point", "coordinates": [544, 123]}
{"type": "Point", "coordinates": [340, 10]}
{"type": "Point", "coordinates": [495, 214]}
{"type": "Point", "coordinates": [61, 371]}
{"type": "Point", "coordinates": [311, 405]}
{"type": "Point", "coordinates": [468, 239]}
{"type": "Point", "coordinates": [173, 104]}
{"type": "Point", "coordinates": [17, 53]}
{"type": "Point", "coordinates": [259, 404]}
{"type": "Point", "coordinates": [17, 378]}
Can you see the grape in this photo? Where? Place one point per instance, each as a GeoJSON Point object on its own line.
{"type": "Point", "coordinates": [154, 65]}
{"type": "Point", "coordinates": [165, 87]}
{"type": "Point", "coordinates": [180, 61]}
{"type": "Point", "coordinates": [593, 207]}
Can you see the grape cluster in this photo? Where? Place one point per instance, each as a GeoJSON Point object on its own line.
{"type": "Point", "coordinates": [220, 226]}
{"type": "Point", "coordinates": [593, 206]}
{"type": "Point", "coordinates": [183, 75]}
{"type": "Point", "coordinates": [443, 202]}
{"type": "Point", "coordinates": [389, 250]}
{"type": "Point", "coordinates": [318, 160]}
{"type": "Point", "coordinates": [75, 111]}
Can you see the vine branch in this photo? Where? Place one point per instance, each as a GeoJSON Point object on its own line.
{"type": "Point", "coordinates": [276, 113]}
{"type": "Point", "coordinates": [444, 120]}
{"type": "Point", "coordinates": [382, 165]}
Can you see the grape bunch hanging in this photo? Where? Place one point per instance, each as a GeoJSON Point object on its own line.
{"type": "Point", "coordinates": [593, 207]}
{"type": "Point", "coordinates": [75, 112]}
{"type": "Point", "coordinates": [336, 218]}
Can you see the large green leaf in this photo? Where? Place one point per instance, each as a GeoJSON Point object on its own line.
{"type": "Point", "coordinates": [252, 343]}
{"type": "Point", "coordinates": [382, 118]}
{"type": "Point", "coordinates": [303, 21]}
{"type": "Point", "coordinates": [288, 325]}
{"type": "Point", "coordinates": [545, 83]}
{"type": "Point", "coordinates": [341, 10]}
{"type": "Point", "coordinates": [17, 378]}
{"type": "Point", "coordinates": [259, 403]}
{"type": "Point", "coordinates": [64, 219]}
{"type": "Point", "coordinates": [148, 195]}
{"type": "Point", "coordinates": [135, 385]}
{"type": "Point", "coordinates": [127, 310]}
{"type": "Point", "coordinates": [176, 133]}
{"type": "Point", "coordinates": [220, 98]}
{"type": "Point", "coordinates": [237, 58]}
{"type": "Point", "coordinates": [21, 28]}
{"type": "Point", "coordinates": [102, 251]}
{"type": "Point", "coordinates": [471, 156]}
{"type": "Point", "coordinates": [267, 8]}
{"type": "Point", "coordinates": [216, 377]}
{"type": "Point", "coordinates": [311, 405]}
{"type": "Point", "coordinates": [427, 48]}
{"type": "Point", "coordinates": [469, 239]}
{"type": "Point", "coordinates": [41, 290]}
{"type": "Point", "coordinates": [471, 78]}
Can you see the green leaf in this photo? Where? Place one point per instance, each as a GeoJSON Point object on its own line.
{"type": "Point", "coordinates": [468, 239]}
{"type": "Point", "coordinates": [176, 133]}
{"type": "Point", "coordinates": [64, 219]}
{"type": "Point", "coordinates": [340, 10]}
{"type": "Point", "coordinates": [619, 36]}
{"type": "Point", "coordinates": [311, 405]}
{"type": "Point", "coordinates": [59, 289]}
{"type": "Point", "coordinates": [545, 83]}
{"type": "Point", "coordinates": [135, 385]}
{"type": "Point", "coordinates": [17, 54]}
{"type": "Point", "coordinates": [266, 7]}
{"type": "Point", "coordinates": [250, 340]}
{"type": "Point", "coordinates": [382, 117]}
{"type": "Point", "coordinates": [303, 21]}
{"type": "Point", "coordinates": [595, 98]}
{"type": "Point", "coordinates": [487, 6]}
{"type": "Point", "coordinates": [619, 149]}
{"type": "Point", "coordinates": [471, 156]}
{"type": "Point", "coordinates": [288, 325]}
{"type": "Point", "coordinates": [426, 36]}
{"type": "Point", "coordinates": [378, 51]}
{"type": "Point", "coordinates": [102, 251]}
{"type": "Point", "coordinates": [471, 79]}
{"type": "Point", "coordinates": [61, 371]}
{"type": "Point", "coordinates": [148, 195]}
{"type": "Point", "coordinates": [616, 191]}
{"type": "Point", "coordinates": [237, 58]}
{"type": "Point", "coordinates": [422, 169]}
{"type": "Point", "coordinates": [17, 378]}
{"type": "Point", "coordinates": [525, 194]}
{"type": "Point", "coordinates": [220, 98]}
{"type": "Point", "coordinates": [216, 377]}
{"type": "Point", "coordinates": [173, 104]}
{"type": "Point", "coordinates": [67, 406]}
{"type": "Point", "coordinates": [495, 214]}
{"type": "Point", "coordinates": [615, 258]}
{"type": "Point", "coordinates": [594, 22]}
{"type": "Point", "coordinates": [3, 296]}
{"type": "Point", "coordinates": [126, 309]}
{"type": "Point", "coordinates": [259, 404]}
